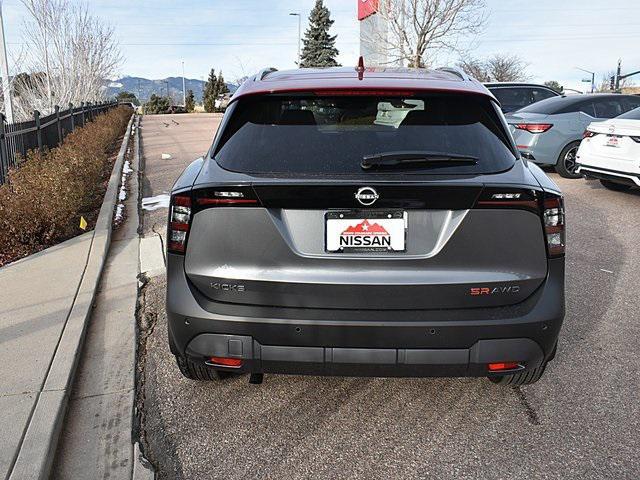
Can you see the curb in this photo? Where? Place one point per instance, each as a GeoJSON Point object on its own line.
{"type": "Point", "coordinates": [38, 448]}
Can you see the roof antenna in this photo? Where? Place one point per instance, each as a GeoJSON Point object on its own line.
{"type": "Point", "coordinates": [360, 68]}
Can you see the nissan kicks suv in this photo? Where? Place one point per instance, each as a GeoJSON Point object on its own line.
{"type": "Point", "coordinates": [376, 222]}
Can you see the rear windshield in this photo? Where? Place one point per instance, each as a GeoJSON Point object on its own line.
{"type": "Point", "coordinates": [549, 106]}
{"type": "Point", "coordinates": [631, 115]}
{"type": "Point", "coordinates": [332, 135]}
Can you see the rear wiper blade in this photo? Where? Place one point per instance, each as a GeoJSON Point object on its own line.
{"type": "Point", "coordinates": [405, 158]}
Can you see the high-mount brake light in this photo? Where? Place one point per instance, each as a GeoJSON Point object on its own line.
{"type": "Point", "coordinates": [534, 127]}
{"type": "Point", "coordinates": [179, 219]}
{"type": "Point", "coordinates": [554, 225]}
{"type": "Point", "coordinates": [364, 92]}
{"type": "Point", "coordinates": [589, 134]}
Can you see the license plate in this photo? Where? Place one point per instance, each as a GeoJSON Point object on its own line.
{"type": "Point", "coordinates": [365, 231]}
{"type": "Point", "coordinates": [613, 142]}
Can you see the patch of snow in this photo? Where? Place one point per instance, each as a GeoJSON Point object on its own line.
{"type": "Point", "coordinates": [166, 156]}
{"type": "Point", "coordinates": [154, 203]}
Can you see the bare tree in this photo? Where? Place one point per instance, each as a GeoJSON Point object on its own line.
{"type": "Point", "coordinates": [475, 68]}
{"type": "Point", "coordinates": [415, 31]}
{"type": "Point", "coordinates": [500, 67]}
{"type": "Point", "coordinates": [71, 54]}
{"type": "Point", "coordinates": [507, 68]}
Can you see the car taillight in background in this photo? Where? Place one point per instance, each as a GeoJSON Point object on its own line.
{"type": "Point", "coordinates": [179, 219]}
{"type": "Point", "coordinates": [185, 205]}
{"type": "Point", "coordinates": [554, 225]}
{"type": "Point", "coordinates": [534, 127]}
{"type": "Point", "coordinates": [589, 134]}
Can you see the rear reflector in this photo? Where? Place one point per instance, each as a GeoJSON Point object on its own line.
{"type": "Point", "coordinates": [225, 362]}
{"type": "Point", "coordinates": [534, 127]}
{"type": "Point", "coordinates": [497, 367]}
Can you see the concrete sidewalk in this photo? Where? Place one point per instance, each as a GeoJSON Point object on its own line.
{"type": "Point", "coordinates": [36, 297]}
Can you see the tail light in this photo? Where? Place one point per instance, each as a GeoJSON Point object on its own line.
{"type": "Point", "coordinates": [589, 134]}
{"type": "Point", "coordinates": [549, 207]}
{"type": "Point", "coordinates": [179, 220]}
{"type": "Point", "coordinates": [184, 206]}
{"type": "Point", "coordinates": [554, 225]}
{"type": "Point", "coordinates": [534, 127]}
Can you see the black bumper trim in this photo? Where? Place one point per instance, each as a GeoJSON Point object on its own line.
{"type": "Point", "coordinates": [365, 361]}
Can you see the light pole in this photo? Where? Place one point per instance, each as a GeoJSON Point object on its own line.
{"type": "Point", "coordinates": [184, 91]}
{"type": "Point", "coordinates": [293, 14]}
{"type": "Point", "coordinates": [593, 78]}
{"type": "Point", "coordinates": [4, 63]}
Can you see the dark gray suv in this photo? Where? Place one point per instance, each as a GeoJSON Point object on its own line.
{"type": "Point", "coordinates": [367, 223]}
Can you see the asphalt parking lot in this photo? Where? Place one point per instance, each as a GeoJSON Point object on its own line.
{"type": "Point", "coordinates": [582, 420]}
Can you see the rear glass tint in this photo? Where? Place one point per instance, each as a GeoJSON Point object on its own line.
{"type": "Point", "coordinates": [332, 135]}
{"type": "Point", "coordinates": [551, 106]}
{"type": "Point", "coordinates": [632, 115]}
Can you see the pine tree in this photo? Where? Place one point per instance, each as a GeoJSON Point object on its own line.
{"type": "Point", "coordinates": [210, 92]}
{"type": "Point", "coordinates": [191, 101]}
{"type": "Point", "coordinates": [221, 87]}
{"type": "Point", "coordinates": [319, 47]}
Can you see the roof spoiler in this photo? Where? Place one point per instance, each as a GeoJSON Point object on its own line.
{"type": "Point", "coordinates": [456, 71]}
{"type": "Point", "coordinates": [262, 74]}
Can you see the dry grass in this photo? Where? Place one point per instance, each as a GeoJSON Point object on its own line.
{"type": "Point", "coordinates": [42, 203]}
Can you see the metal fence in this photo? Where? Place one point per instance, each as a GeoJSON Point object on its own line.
{"type": "Point", "coordinates": [16, 139]}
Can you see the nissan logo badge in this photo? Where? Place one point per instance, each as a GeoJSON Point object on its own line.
{"type": "Point", "coordinates": [367, 196]}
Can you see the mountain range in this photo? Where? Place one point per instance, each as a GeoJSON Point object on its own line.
{"type": "Point", "coordinates": [143, 88]}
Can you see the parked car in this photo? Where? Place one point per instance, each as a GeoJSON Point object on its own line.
{"type": "Point", "coordinates": [610, 152]}
{"type": "Point", "coordinates": [353, 223]}
{"type": "Point", "coordinates": [513, 96]}
{"type": "Point", "coordinates": [549, 132]}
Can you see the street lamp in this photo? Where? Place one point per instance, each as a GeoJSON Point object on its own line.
{"type": "Point", "coordinates": [593, 78]}
{"type": "Point", "coordinates": [293, 14]}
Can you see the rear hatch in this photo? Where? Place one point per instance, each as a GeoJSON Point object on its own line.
{"type": "Point", "coordinates": [614, 145]}
{"type": "Point", "coordinates": [441, 216]}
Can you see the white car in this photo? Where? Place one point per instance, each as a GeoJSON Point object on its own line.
{"type": "Point", "coordinates": [610, 152]}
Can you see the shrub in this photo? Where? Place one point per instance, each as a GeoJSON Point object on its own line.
{"type": "Point", "coordinates": [42, 203]}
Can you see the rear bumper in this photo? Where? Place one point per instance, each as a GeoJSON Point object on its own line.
{"type": "Point", "coordinates": [365, 343]}
{"type": "Point", "coordinates": [626, 178]}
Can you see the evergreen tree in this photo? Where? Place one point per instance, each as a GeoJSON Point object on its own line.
{"type": "Point", "coordinates": [210, 92]}
{"type": "Point", "coordinates": [157, 104]}
{"type": "Point", "coordinates": [191, 101]}
{"type": "Point", "coordinates": [319, 47]}
{"type": "Point", "coordinates": [221, 88]}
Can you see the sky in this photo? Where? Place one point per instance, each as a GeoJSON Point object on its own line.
{"type": "Point", "coordinates": [242, 36]}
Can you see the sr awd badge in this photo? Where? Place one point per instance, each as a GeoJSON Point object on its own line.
{"type": "Point", "coordinates": [367, 196]}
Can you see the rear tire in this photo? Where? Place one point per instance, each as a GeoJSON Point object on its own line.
{"type": "Point", "coordinates": [616, 187]}
{"type": "Point", "coordinates": [200, 372]}
{"type": "Point", "coordinates": [566, 164]}
{"type": "Point", "coordinates": [522, 378]}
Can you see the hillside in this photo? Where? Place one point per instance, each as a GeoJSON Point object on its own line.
{"type": "Point", "coordinates": [144, 88]}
